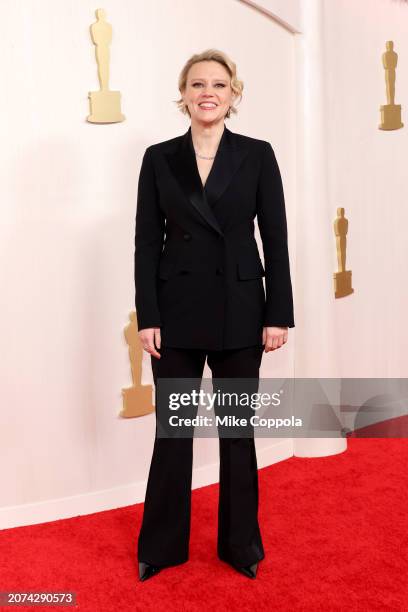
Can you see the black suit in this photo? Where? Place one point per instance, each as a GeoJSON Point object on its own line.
{"type": "Point", "coordinates": [205, 292]}
{"type": "Point", "coordinates": [204, 289]}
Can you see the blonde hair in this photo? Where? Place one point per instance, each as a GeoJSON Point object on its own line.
{"type": "Point", "coordinates": [237, 85]}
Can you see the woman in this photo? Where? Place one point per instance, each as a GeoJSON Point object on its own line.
{"type": "Point", "coordinates": [200, 294]}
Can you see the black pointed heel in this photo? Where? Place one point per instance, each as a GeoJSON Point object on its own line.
{"type": "Point", "coordinates": [247, 570]}
{"type": "Point", "coordinates": [146, 570]}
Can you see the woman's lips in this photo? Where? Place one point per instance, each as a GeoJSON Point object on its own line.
{"type": "Point", "coordinates": [207, 107]}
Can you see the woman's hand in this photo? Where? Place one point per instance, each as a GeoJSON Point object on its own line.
{"type": "Point", "coordinates": [150, 339]}
{"type": "Point", "coordinates": [274, 337]}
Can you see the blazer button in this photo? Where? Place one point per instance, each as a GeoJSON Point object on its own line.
{"type": "Point", "coordinates": [219, 271]}
{"type": "Point", "coordinates": [187, 236]}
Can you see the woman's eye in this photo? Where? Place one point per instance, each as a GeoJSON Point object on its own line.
{"type": "Point", "coordinates": [217, 85]}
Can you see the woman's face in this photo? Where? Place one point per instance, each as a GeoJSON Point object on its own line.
{"type": "Point", "coordinates": [208, 92]}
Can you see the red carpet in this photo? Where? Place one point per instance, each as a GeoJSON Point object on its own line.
{"type": "Point", "coordinates": [334, 531]}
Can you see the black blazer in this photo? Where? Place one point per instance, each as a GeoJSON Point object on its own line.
{"type": "Point", "coordinates": [198, 273]}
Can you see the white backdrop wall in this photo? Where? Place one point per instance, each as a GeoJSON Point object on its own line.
{"type": "Point", "coordinates": [367, 175]}
{"type": "Point", "coordinates": [68, 200]}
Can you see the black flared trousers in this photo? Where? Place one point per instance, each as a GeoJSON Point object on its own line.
{"type": "Point", "coordinates": [165, 530]}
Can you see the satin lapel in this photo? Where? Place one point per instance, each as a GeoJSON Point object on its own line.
{"type": "Point", "coordinates": [228, 159]}
{"type": "Point", "coordinates": [183, 165]}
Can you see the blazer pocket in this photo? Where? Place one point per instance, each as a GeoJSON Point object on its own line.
{"type": "Point", "coordinates": [250, 266]}
{"type": "Point", "coordinates": [169, 268]}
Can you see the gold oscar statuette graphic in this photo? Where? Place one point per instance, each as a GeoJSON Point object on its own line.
{"type": "Point", "coordinates": [390, 112]}
{"type": "Point", "coordinates": [342, 278]}
{"type": "Point", "coordinates": [137, 400]}
{"type": "Point", "coordinates": [104, 104]}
